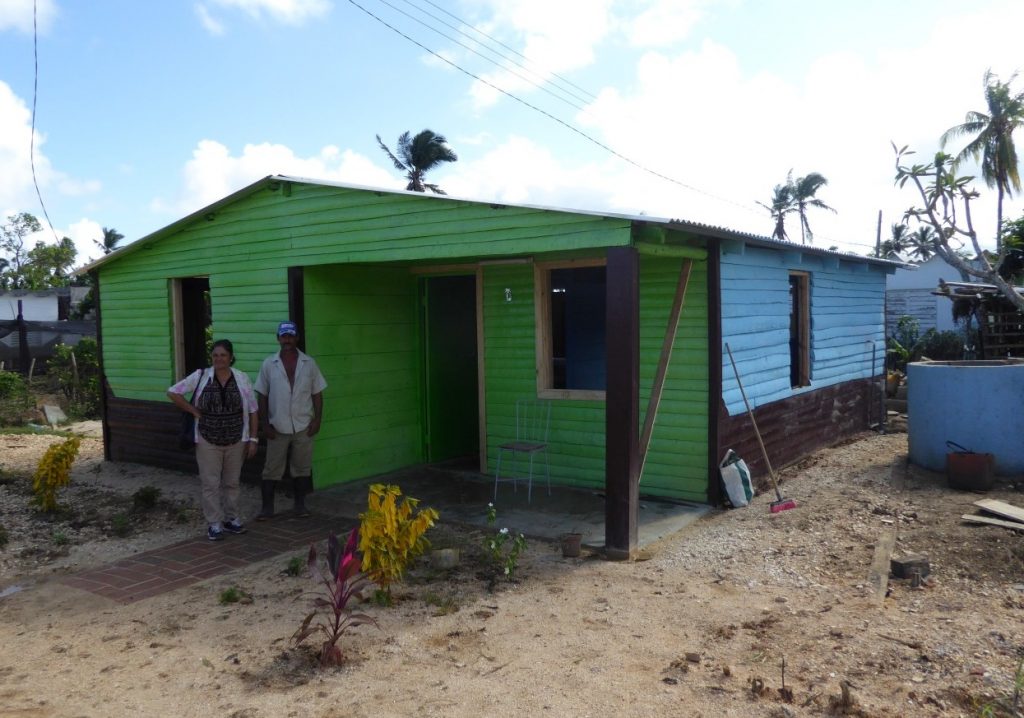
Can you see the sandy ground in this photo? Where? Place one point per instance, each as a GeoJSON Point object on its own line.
{"type": "Point", "coordinates": [700, 628]}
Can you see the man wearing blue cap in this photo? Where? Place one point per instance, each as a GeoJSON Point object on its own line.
{"type": "Point", "coordinates": [290, 392]}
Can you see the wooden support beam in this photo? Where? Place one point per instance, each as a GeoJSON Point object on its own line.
{"type": "Point", "coordinates": [878, 576]}
{"type": "Point", "coordinates": [622, 405]}
{"type": "Point", "coordinates": [671, 251]}
{"type": "Point", "coordinates": [671, 330]}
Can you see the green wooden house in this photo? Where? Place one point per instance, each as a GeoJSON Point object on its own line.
{"type": "Point", "coordinates": [430, 317]}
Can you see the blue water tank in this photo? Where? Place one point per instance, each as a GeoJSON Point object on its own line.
{"type": "Point", "coordinates": [976, 404]}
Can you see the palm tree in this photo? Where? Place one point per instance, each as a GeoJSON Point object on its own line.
{"type": "Point", "coordinates": [922, 244]}
{"type": "Point", "coordinates": [803, 191]}
{"type": "Point", "coordinates": [992, 142]}
{"type": "Point", "coordinates": [898, 243]}
{"type": "Point", "coordinates": [781, 205]}
{"type": "Point", "coordinates": [110, 239]}
{"type": "Point", "coordinates": [419, 155]}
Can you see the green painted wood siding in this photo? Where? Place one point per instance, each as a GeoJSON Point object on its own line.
{"type": "Point", "coordinates": [246, 246]}
{"type": "Point", "coordinates": [677, 465]}
{"type": "Point", "coordinates": [361, 327]}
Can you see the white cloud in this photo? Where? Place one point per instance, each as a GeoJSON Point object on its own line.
{"type": "Point", "coordinates": [289, 12]}
{"type": "Point", "coordinates": [664, 22]}
{"type": "Point", "coordinates": [213, 172]}
{"type": "Point", "coordinates": [555, 37]}
{"type": "Point", "coordinates": [84, 233]}
{"type": "Point", "coordinates": [17, 15]}
{"type": "Point", "coordinates": [209, 23]}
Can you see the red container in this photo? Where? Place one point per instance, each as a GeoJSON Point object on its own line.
{"type": "Point", "coordinates": [968, 471]}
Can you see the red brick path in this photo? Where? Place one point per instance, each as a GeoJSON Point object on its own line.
{"type": "Point", "coordinates": [196, 559]}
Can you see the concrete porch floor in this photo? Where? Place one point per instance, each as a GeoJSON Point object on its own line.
{"type": "Point", "coordinates": [461, 496]}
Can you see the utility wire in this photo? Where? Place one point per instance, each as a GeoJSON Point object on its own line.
{"type": "Point", "coordinates": [32, 137]}
{"type": "Point", "coordinates": [540, 87]}
{"type": "Point", "coordinates": [552, 117]}
{"type": "Point", "coordinates": [584, 96]}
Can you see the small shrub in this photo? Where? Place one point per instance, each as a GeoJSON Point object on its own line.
{"type": "Point", "coordinates": [145, 498]}
{"type": "Point", "coordinates": [229, 595]}
{"type": "Point", "coordinates": [444, 604]}
{"type": "Point", "coordinates": [16, 403]}
{"type": "Point", "coordinates": [294, 567]}
{"type": "Point", "coordinates": [120, 525]}
{"type": "Point", "coordinates": [3, 536]}
{"type": "Point", "coordinates": [941, 346]}
{"type": "Point", "coordinates": [77, 372]}
{"type": "Point", "coordinates": [391, 534]}
{"type": "Point", "coordinates": [181, 515]}
{"type": "Point", "coordinates": [341, 584]}
{"type": "Point", "coordinates": [54, 472]}
{"type": "Point", "coordinates": [60, 538]}
{"type": "Point", "coordinates": [503, 548]}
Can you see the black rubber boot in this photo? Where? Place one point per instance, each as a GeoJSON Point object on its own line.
{"type": "Point", "coordinates": [302, 486]}
{"type": "Point", "coordinates": [267, 494]}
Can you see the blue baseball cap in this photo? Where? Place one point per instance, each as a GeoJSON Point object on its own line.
{"type": "Point", "coordinates": [287, 328]}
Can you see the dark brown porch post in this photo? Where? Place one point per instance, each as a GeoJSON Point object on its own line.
{"type": "Point", "coordinates": [622, 405]}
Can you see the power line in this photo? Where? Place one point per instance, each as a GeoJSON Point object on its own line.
{"type": "Point", "coordinates": [587, 96]}
{"type": "Point", "coordinates": [488, 59]}
{"type": "Point", "coordinates": [32, 136]}
{"type": "Point", "coordinates": [552, 117]}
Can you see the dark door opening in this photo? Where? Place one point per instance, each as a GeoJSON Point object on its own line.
{"type": "Point", "coordinates": [450, 367]}
{"type": "Point", "coordinates": [194, 323]}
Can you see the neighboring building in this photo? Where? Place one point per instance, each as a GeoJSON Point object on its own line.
{"type": "Point", "coordinates": [36, 306]}
{"type": "Point", "coordinates": [430, 316]}
{"type": "Point", "coordinates": [909, 291]}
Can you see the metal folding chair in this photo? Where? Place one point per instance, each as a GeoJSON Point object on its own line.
{"type": "Point", "coordinates": [533, 420]}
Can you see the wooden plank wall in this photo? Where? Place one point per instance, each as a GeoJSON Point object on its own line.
{"type": "Point", "coordinates": [363, 331]}
{"type": "Point", "coordinates": [799, 425]}
{"type": "Point", "coordinates": [678, 464]}
{"type": "Point", "coordinates": [847, 304]}
{"type": "Point", "coordinates": [246, 247]}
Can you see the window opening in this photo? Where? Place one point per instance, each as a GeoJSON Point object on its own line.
{"type": "Point", "coordinates": [799, 330]}
{"type": "Point", "coordinates": [576, 298]}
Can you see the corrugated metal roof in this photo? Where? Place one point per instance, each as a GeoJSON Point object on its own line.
{"type": "Point", "coordinates": [676, 224]}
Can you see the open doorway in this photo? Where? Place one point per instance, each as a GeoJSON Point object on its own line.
{"type": "Point", "coordinates": [193, 317]}
{"type": "Point", "coordinates": [452, 414]}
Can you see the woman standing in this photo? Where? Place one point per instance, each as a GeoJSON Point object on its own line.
{"type": "Point", "coordinates": [226, 420]}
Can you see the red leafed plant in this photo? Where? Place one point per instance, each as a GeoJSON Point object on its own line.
{"type": "Point", "coordinates": [331, 611]}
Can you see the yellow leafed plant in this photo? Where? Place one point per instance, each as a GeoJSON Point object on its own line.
{"type": "Point", "coordinates": [54, 472]}
{"type": "Point", "coordinates": [391, 534]}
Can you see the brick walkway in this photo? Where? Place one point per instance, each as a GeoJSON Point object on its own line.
{"type": "Point", "coordinates": [196, 559]}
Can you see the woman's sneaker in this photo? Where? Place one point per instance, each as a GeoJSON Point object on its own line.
{"type": "Point", "coordinates": [214, 533]}
{"type": "Point", "coordinates": [234, 526]}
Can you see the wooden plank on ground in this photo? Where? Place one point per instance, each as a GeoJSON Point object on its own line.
{"type": "Point", "coordinates": [988, 520]}
{"type": "Point", "coordinates": [878, 577]}
{"type": "Point", "coordinates": [1001, 508]}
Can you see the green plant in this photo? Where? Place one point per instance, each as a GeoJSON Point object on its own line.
{"type": "Point", "coordinates": [341, 583]}
{"type": "Point", "coordinates": [120, 525]}
{"type": "Point", "coordinates": [229, 595]}
{"type": "Point", "coordinates": [503, 548]}
{"type": "Point", "coordinates": [444, 604]}
{"type": "Point", "coordinates": [60, 538]}
{"type": "Point", "coordinates": [145, 498]}
{"type": "Point", "coordinates": [941, 346]}
{"type": "Point", "coordinates": [16, 402]}
{"type": "Point", "coordinates": [391, 534]}
{"type": "Point", "coordinates": [54, 472]}
{"type": "Point", "coordinates": [294, 567]}
{"type": "Point", "coordinates": [77, 372]}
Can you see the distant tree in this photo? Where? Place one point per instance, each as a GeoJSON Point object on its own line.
{"type": "Point", "coordinates": [13, 235]}
{"type": "Point", "coordinates": [417, 156]}
{"type": "Point", "coordinates": [992, 141]}
{"type": "Point", "coordinates": [922, 244]}
{"type": "Point", "coordinates": [48, 265]}
{"type": "Point", "coordinates": [111, 237]}
{"type": "Point", "coordinates": [898, 243]}
{"type": "Point", "coordinates": [804, 190]}
{"type": "Point", "coordinates": [781, 205]}
{"type": "Point", "coordinates": [945, 206]}
{"type": "Point", "coordinates": [795, 197]}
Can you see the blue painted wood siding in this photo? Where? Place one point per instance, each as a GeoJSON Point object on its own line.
{"type": "Point", "coordinates": [847, 320]}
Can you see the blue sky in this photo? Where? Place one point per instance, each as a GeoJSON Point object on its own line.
{"type": "Point", "coordinates": [149, 111]}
